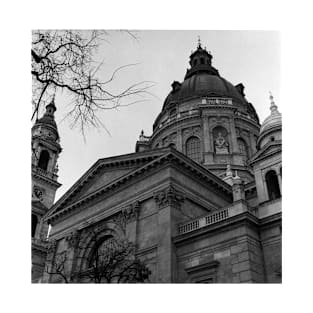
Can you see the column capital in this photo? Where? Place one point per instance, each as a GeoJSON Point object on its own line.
{"type": "Point", "coordinates": [73, 239]}
{"type": "Point", "coordinates": [168, 197]}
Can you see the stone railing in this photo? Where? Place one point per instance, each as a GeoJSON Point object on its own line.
{"type": "Point", "coordinates": [204, 221]}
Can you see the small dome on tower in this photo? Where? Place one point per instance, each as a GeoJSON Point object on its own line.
{"type": "Point", "coordinates": [275, 119]}
{"type": "Point", "coordinates": [48, 121]}
{"type": "Point", "coordinates": [46, 124]}
{"type": "Point", "coordinates": [271, 127]}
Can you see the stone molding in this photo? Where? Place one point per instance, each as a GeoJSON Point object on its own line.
{"type": "Point", "coordinates": [171, 156]}
{"type": "Point", "coordinates": [168, 197]}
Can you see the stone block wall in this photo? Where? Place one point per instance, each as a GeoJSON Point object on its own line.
{"type": "Point", "coordinates": [239, 258]}
{"type": "Point", "coordinates": [272, 250]}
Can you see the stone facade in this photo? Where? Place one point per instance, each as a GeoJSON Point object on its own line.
{"type": "Point", "coordinates": [199, 198]}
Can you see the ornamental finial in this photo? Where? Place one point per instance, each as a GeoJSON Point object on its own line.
{"type": "Point", "coordinates": [273, 106]}
{"type": "Point", "coordinates": [199, 42]}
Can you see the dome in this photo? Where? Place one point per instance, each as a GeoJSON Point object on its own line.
{"type": "Point", "coordinates": [201, 80]}
{"type": "Point", "coordinates": [272, 121]}
{"type": "Point", "coordinates": [203, 84]}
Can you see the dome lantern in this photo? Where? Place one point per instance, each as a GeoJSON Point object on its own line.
{"type": "Point", "coordinates": [200, 61]}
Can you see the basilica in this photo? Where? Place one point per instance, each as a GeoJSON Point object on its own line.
{"type": "Point", "coordinates": [200, 198]}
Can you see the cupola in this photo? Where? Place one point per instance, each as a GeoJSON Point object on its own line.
{"type": "Point", "coordinates": [201, 61]}
{"type": "Point", "coordinates": [271, 127]}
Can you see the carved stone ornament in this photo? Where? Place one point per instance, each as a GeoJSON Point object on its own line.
{"type": "Point", "coordinates": [168, 197]}
{"type": "Point", "coordinates": [52, 246]}
{"type": "Point", "coordinates": [73, 239]}
{"type": "Point", "coordinates": [127, 215]}
{"type": "Point", "coordinates": [186, 132]}
{"type": "Point", "coordinates": [221, 145]}
{"type": "Point", "coordinates": [38, 192]}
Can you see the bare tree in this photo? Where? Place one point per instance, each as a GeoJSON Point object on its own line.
{"type": "Point", "coordinates": [108, 261]}
{"type": "Point", "coordinates": [64, 60]}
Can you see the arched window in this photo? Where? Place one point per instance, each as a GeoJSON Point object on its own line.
{"type": "Point", "coordinates": [34, 224]}
{"type": "Point", "coordinates": [202, 60]}
{"type": "Point", "coordinates": [195, 62]}
{"type": "Point", "coordinates": [103, 248]}
{"type": "Point", "coordinates": [44, 160]}
{"type": "Point", "coordinates": [243, 149]}
{"type": "Point", "coordinates": [193, 148]}
{"type": "Point", "coordinates": [272, 185]}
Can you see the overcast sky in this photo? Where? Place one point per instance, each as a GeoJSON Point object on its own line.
{"type": "Point", "coordinates": [249, 57]}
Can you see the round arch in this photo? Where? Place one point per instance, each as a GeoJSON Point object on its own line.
{"type": "Point", "coordinates": [272, 184]}
{"type": "Point", "coordinates": [44, 160]}
{"type": "Point", "coordinates": [243, 149]}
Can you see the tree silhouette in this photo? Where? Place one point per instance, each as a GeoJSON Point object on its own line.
{"type": "Point", "coordinates": [109, 260]}
{"type": "Point", "coordinates": [64, 60]}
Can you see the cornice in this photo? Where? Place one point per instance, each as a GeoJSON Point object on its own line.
{"type": "Point", "coordinates": [260, 155]}
{"type": "Point", "coordinates": [46, 179]}
{"type": "Point", "coordinates": [171, 156]}
{"type": "Point", "coordinates": [129, 160]}
{"type": "Point", "coordinates": [252, 122]}
{"type": "Point", "coordinates": [173, 123]}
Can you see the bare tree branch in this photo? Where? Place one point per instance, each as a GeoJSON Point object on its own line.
{"type": "Point", "coordinates": [64, 60]}
{"type": "Point", "coordinates": [109, 260]}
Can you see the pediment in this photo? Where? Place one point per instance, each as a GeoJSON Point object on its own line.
{"type": "Point", "coordinates": [267, 151]}
{"type": "Point", "coordinates": [103, 182]}
{"type": "Point", "coordinates": [103, 172]}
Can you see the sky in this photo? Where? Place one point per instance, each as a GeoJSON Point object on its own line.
{"type": "Point", "coordinates": [249, 57]}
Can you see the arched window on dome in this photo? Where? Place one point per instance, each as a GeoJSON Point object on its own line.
{"type": "Point", "coordinates": [272, 185]}
{"type": "Point", "coordinates": [34, 224]}
{"type": "Point", "coordinates": [193, 148]}
{"type": "Point", "coordinates": [202, 60]}
{"type": "Point", "coordinates": [243, 149]}
{"type": "Point", "coordinates": [44, 160]}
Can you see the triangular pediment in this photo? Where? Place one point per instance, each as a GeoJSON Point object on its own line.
{"type": "Point", "coordinates": [103, 172]}
{"type": "Point", "coordinates": [146, 161]}
{"type": "Point", "coordinates": [267, 151]}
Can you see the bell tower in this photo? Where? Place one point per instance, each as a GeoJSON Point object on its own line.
{"type": "Point", "coordinates": [45, 151]}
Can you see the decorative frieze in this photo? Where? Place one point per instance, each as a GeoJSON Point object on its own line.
{"type": "Point", "coordinates": [168, 197]}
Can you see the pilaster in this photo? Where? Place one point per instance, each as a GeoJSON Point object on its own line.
{"type": "Point", "coordinates": [168, 200]}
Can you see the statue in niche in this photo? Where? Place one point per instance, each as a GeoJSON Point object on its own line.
{"type": "Point", "coordinates": [221, 145]}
